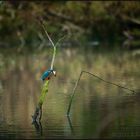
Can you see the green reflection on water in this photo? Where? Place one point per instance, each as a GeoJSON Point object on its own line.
{"type": "Point", "coordinates": [99, 110]}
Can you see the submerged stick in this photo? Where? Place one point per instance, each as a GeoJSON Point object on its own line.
{"type": "Point", "coordinates": [76, 84]}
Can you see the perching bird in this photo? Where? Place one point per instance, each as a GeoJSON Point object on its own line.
{"type": "Point", "coordinates": [47, 74]}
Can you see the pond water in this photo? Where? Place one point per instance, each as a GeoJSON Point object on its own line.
{"type": "Point", "coordinates": [99, 109]}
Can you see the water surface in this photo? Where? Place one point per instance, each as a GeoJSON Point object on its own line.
{"type": "Point", "coordinates": [99, 110]}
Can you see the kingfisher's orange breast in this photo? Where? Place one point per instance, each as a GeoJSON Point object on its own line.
{"type": "Point", "coordinates": [47, 78]}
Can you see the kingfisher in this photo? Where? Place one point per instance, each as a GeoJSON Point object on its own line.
{"type": "Point", "coordinates": [47, 74]}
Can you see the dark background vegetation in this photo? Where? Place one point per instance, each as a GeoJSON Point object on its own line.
{"type": "Point", "coordinates": [84, 21]}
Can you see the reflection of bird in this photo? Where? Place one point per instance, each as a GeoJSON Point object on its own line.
{"type": "Point", "coordinates": [47, 74]}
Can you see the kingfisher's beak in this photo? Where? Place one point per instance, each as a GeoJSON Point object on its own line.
{"type": "Point", "coordinates": [54, 73]}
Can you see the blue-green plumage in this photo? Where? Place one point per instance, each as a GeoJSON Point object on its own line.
{"type": "Point", "coordinates": [46, 74]}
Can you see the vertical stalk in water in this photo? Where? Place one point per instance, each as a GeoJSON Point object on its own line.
{"type": "Point", "coordinates": [38, 112]}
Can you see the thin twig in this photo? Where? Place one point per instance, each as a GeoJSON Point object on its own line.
{"type": "Point", "coordinates": [54, 46]}
{"type": "Point", "coordinates": [57, 43]}
{"type": "Point", "coordinates": [42, 24]}
{"type": "Point", "coordinates": [76, 84]}
{"type": "Point", "coordinates": [109, 82]}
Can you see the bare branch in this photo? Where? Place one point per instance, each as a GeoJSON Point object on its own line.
{"type": "Point", "coordinates": [54, 47]}
{"type": "Point", "coordinates": [42, 24]}
{"type": "Point", "coordinates": [76, 84]}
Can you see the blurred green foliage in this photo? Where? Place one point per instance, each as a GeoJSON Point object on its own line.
{"type": "Point", "coordinates": [84, 21]}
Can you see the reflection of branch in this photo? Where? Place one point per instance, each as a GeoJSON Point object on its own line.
{"type": "Point", "coordinates": [76, 84]}
{"type": "Point", "coordinates": [38, 127]}
{"type": "Point", "coordinates": [70, 124]}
